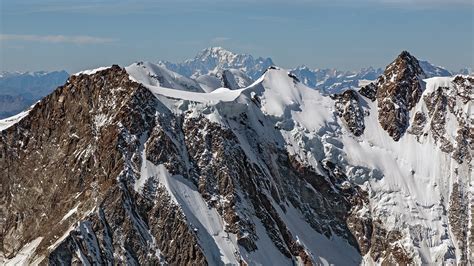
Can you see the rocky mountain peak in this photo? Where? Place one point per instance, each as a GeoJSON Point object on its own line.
{"type": "Point", "coordinates": [405, 66]}
{"type": "Point", "coordinates": [397, 91]}
{"type": "Point", "coordinates": [117, 177]}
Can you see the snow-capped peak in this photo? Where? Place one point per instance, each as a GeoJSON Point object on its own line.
{"type": "Point", "coordinates": [214, 59]}
{"type": "Point", "coordinates": [219, 53]}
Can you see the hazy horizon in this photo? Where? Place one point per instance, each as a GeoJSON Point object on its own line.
{"type": "Point", "coordinates": [320, 34]}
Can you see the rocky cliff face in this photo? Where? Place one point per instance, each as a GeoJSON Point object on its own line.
{"type": "Point", "coordinates": [114, 168]}
{"type": "Point", "coordinates": [445, 119]}
{"type": "Point", "coordinates": [349, 108]}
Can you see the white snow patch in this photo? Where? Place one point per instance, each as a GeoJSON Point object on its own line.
{"type": "Point", "coordinates": [10, 121]}
{"type": "Point", "coordinates": [69, 213]}
{"type": "Point", "coordinates": [154, 75]}
{"type": "Point", "coordinates": [213, 97]}
{"type": "Point", "coordinates": [91, 71]}
{"type": "Point", "coordinates": [61, 239]}
{"type": "Point", "coordinates": [289, 100]}
{"type": "Point", "coordinates": [324, 251]}
{"type": "Point", "coordinates": [146, 78]}
{"type": "Point", "coordinates": [266, 253]}
{"type": "Point", "coordinates": [26, 254]}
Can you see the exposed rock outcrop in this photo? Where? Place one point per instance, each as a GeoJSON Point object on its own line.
{"type": "Point", "coordinates": [349, 108]}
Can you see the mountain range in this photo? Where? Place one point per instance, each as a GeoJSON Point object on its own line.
{"type": "Point", "coordinates": [19, 90]}
{"type": "Point", "coordinates": [212, 68]}
{"type": "Point", "coordinates": [170, 164]}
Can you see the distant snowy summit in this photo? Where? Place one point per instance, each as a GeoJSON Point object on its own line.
{"type": "Point", "coordinates": [216, 59]}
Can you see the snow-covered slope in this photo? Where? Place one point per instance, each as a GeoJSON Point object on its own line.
{"type": "Point", "coordinates": [10, 121]}
{"type": "Point", "coordinates": [228, 78]}
{"type": "Point", "coordinates": [409, 192]}
{"type": "Point", "coordinates": [275, 173]}
{"type": "Point", "coordinates": [412, 184]}
{"type": "Point", "coordinates": [154, 75]}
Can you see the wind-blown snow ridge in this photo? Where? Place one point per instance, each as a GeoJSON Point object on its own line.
{"type": "Point", "coordinates": [10, 121]}
{"type": "Point", "coordinates": [185, 92]}
{"type": "Point", "coordinates": [91, 71]}
{"type": "Point", "coordinates": [158, 76]}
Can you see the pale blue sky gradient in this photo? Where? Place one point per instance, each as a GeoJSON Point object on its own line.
{"type": "Point", "coordinates": [76, 35]}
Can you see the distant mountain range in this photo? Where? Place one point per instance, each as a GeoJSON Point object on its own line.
{"type": "Point", "coordinates": [19, 90]}
{"type": "Point", "coordinates": [212, 68]}
{"type": "Point", "coordinates": [211, 61]}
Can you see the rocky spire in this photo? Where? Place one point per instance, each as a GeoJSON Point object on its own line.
{"type": "Point", "coordinates": [397, 91]}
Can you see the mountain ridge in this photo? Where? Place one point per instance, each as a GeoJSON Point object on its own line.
{"type": "Point", "coordinates": [211, 68]}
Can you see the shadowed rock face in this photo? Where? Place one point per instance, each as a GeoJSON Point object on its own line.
{"type": "Point", "coordinates": [458, 212]}
{"type": "Point", "coordinates": [369, 91]}
{"type": "Point", "coordinates": [397, 91]}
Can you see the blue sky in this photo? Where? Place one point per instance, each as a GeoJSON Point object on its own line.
{"type": "Point", "coordinates": [345, 34]}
